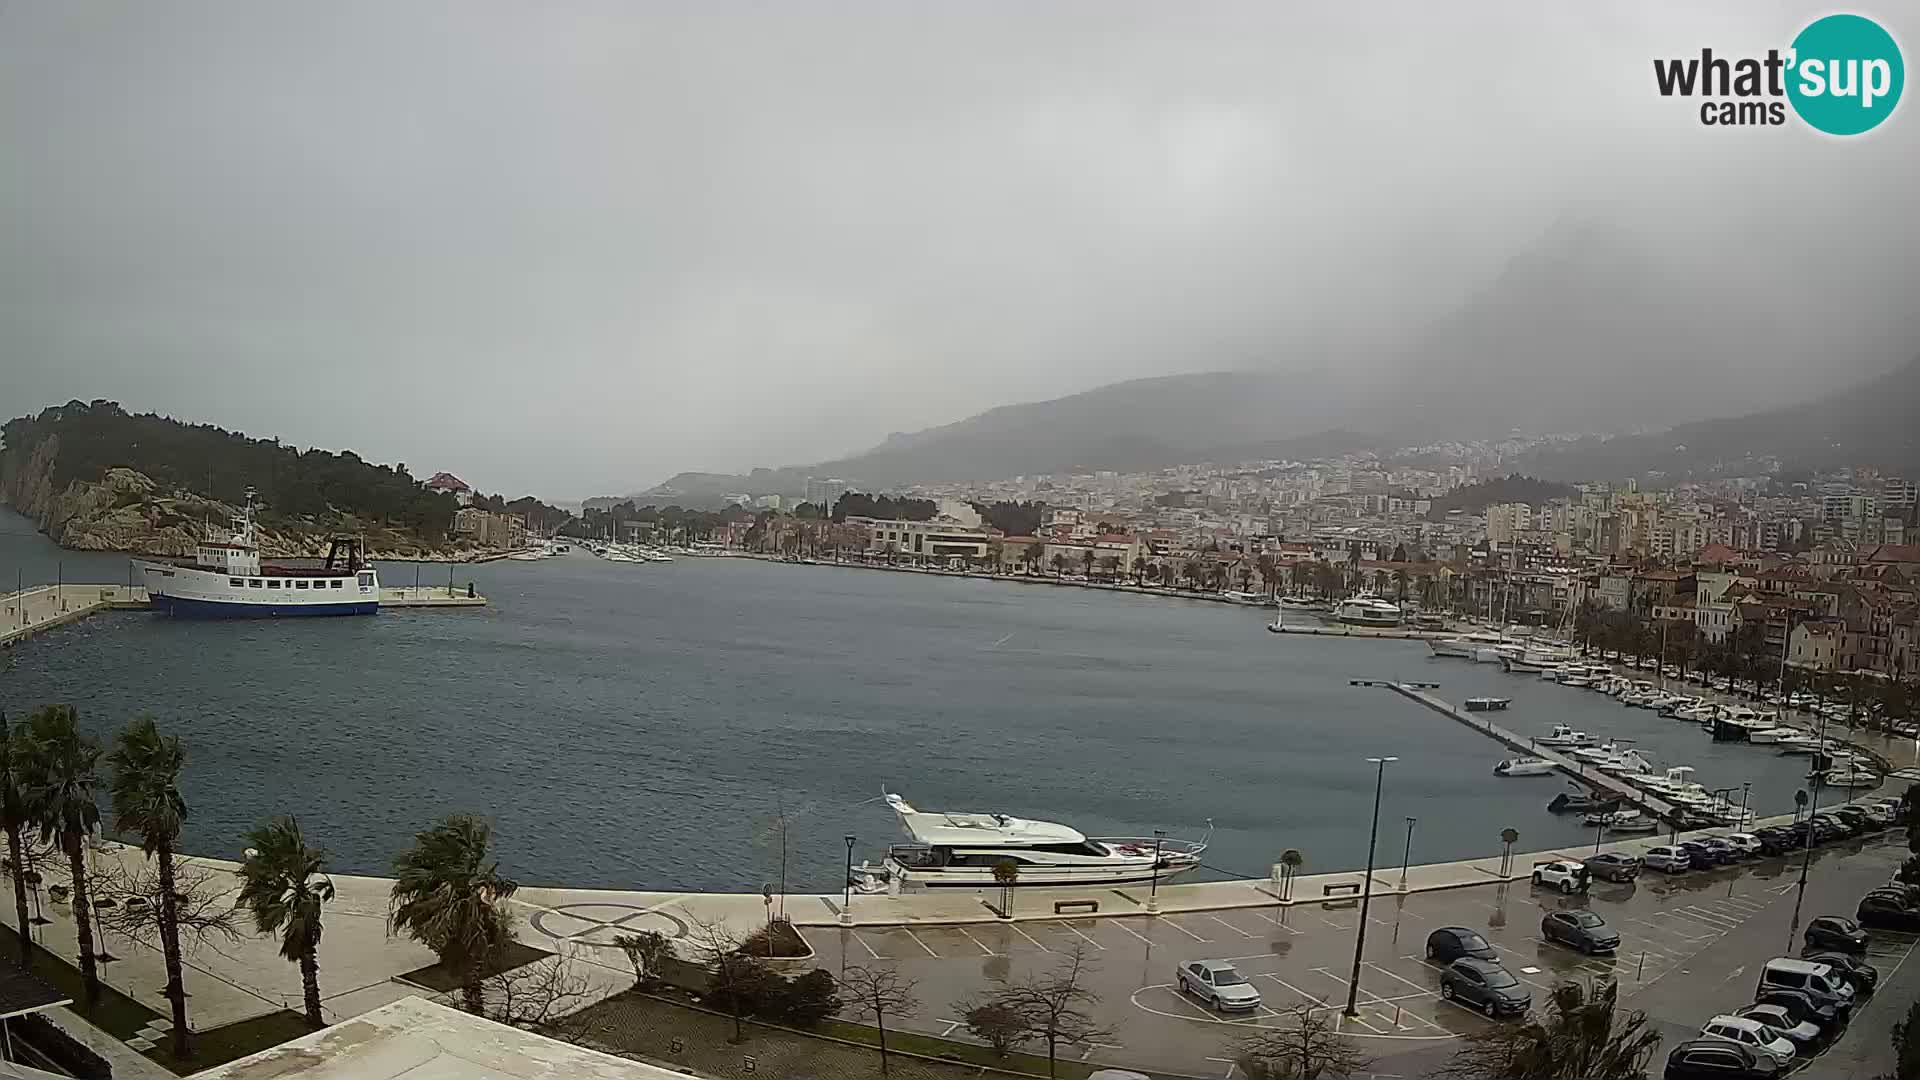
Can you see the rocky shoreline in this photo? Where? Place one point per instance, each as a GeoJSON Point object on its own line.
{"type": "Point", "coordinates": [125, 512]}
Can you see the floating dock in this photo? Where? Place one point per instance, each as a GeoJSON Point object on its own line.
{"type": "Point", "coordinates": [1593, 778]}
{"type": "Point", "coordinates": [32, 611]}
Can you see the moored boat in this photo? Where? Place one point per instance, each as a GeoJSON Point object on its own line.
{"type": "Point", "coordinates": [961, 850]}
{"type": "Point", "coordinates": [1525, 766]}
{"type": "Point", "coordinates": [1487, 704]}
{"type": "Point", "coordinates": [225, 579]}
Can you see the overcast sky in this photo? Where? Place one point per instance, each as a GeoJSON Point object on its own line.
{"type": "Point", "coordinates": [573, 248]}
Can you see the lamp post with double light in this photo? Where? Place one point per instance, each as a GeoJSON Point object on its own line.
{"type": "Point", "coordinates": [1366, 888]}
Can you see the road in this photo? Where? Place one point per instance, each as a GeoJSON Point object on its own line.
{"type": "Point", "coordinates": [1691, 947]}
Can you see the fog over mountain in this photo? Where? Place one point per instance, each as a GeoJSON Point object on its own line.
{"type": "Point", "coordinates": [575, 249]}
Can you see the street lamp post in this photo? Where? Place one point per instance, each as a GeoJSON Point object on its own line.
{"type": "Point", "coordinates": [846, 899]}
{"type": "Point", "coordinates": [1407, 857]}
{"type": "Point", "coordinates": [1153, 883]}
{"type": "Point", "coordinates": [1366, 888]}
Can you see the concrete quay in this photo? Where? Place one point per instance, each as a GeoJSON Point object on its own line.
{"type": "Point", "coordinates": [36, 610]}
{"type": "Point", "coordinates": [41, 608]}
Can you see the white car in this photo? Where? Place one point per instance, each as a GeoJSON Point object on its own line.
{"type": "Point", "coordinates": [1219, 984]}
{"type": "Point", "coordinates": [1560, 874]}
{"type": "Point", "coordinates": [1804, 1033]}
{"type": "Point", "coordinates": [1751, 1034]}
{"type": "Point", "coordinates": [1745, 843]}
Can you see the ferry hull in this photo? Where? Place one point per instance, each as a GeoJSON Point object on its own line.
{"type": "Point", "coordinates": [182, 607]}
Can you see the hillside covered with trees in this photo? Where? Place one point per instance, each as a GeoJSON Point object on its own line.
{"type": "Point", "coordinates": [1474, 498]}
{"type": "Point", "coordinates": [56, 466]}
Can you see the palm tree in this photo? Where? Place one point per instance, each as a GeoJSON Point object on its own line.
{"type": "Point", "coordinates": [1269, 572]}
{"type": "Point", "coordinates": [57, 779]}
{"type": "Point", "coordinates": [1086, 561]}
{"type": "Point", "coordinates": [1579, 1036]}
{"type": "Point", "coordinates": [1034, 553]}
{"type": "Point", "coordinates": [1059, 563]}
{"type": "Point", "coordinates": [448, 895]}
{"type": "Point", "coordinates": [1291, 860]}
{"type": "Point", "coordinates": [284, 882]}
{"type": "Point", "coordinates": [13, 816]}
{"type": "Point", "coordinates": [147, 803]}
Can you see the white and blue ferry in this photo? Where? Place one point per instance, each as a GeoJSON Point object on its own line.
{"type": "Point", "coordinates": [225, 579]}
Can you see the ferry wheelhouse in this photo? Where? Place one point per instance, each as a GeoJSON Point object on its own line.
{"type": "Point", "coordinates": [962, 849]}
{"type": "Point", "coordinates": [225, 579]}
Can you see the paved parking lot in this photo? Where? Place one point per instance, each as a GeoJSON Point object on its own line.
{"type": "Point", "coordinates": [1304, 955]}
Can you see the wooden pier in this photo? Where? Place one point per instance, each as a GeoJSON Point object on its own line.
{"type": "Point", "coordinates": [1593, 778]}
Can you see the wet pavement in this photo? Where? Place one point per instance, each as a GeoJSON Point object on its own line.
{"type": "Point", "coordinates": [1690, 947]}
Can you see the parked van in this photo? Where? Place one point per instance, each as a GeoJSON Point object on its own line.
{"type": "Point", "coordinates": [1822, 982]}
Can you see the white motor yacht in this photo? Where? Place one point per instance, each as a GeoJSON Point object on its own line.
{"type": "Point", "coordinates": [1368, 610]}
{"type": "Point", "coordinates": [1565, 735]}
{"type": "Point", "coordinates": [1594, 755]}
{"type": "Point", "coordinates": [961, 850]}
{"type": "Point", "coordinates": [1796, 742]}
{"type": "Point", "coordinates": [1851, 776]}
{"type": "Point", "coordinates": [1525, 766]}
{"type": "Point", "coordinates": [1627, 764]}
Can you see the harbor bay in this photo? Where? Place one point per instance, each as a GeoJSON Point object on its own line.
{"type": "Point", "coordinates": [650, 726]}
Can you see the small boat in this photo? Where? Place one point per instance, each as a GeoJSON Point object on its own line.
{"type": "Point", "coordinates": [1240, 596]}
{"type": "Point", "coordinates": [1525, 766]}
{"type": "Point", "coordinates": [1594, 755]}
{"type": "Point", "coordinates": [1629, 764]}
{"type": "Point", "coordinates": [1487, 704]}
{"type": "Point", "coordinates": [1767, 736]}
{"type": "Point", "coordinates": [1581, 802]}
{"type": "Point", "coordinates": [1797, 742]}
{"type": "Point", "coordinates": [1302, 603]}
{"type": "Point", "coordinates": [1851, 776]}
{"type": "Point", "coordinates": [1627, 821]}
{"type": "Point", "coordinates": [1564, 735]}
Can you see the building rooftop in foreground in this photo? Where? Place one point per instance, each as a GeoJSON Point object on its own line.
{"type": "Point", "coordinates": [416, 1039]}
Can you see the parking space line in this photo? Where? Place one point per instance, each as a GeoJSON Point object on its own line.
{"type": "Point", "coordinates": [1515, 974]}
{"type": "Point", "coordinates": [1335, 925]}
{"type": "Point", "coordinates": [864, 945]}
{"type": "Point", "coordinates": [1692, 921]}
{"type": "Point", "coordinates": [1303, 995]}
{"type": "Point", "coordinates": [951, 1025]}
{"type": "Point", "coordinates": [1397, 978]}
{"type": "Point", "coordinates": [1092, 942]}
{"type": "Point", "coordinates": [1229, 926]}
{"type": "Point", "coordinates": [1274, 921]}
{"type": "Point", "coordinates": [1121, 924]}
{"type": "Point", "coordinates": [922, 944]}
{"type": "Point", "coordinates": [1688, 938]}
{"type": "Point", "coordinates": [1344, 1018]}
{"type": "Point", "coordinates": [1185, 931]}
{"type": "Point", "coordinates": [976, 941]}
{"type": "Point", "coordinates": [1729, 921]}
{"type": "Point", "coordinates": [1036, 941]}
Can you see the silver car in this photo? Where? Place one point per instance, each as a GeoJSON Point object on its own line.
{"type": "Point", "coordinates": [1219, 984]}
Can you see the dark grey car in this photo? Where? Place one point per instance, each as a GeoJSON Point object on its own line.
{"type": "Point", "coordinates": [1484, 985]}
{"type": "Point", "coordinates": [1582, 930]}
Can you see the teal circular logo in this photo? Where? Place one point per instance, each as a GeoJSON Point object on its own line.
{"type": "Point", "coordinates": [1846, 74]}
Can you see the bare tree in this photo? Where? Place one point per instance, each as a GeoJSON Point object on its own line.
{"type": "Point", "coordinates": [734, 979]}
{"type": "Point", "coordinates": [882, 992]}
{"type": "Point", "coordinates": [995, 1024]}
{"type": "Point", "coordinates": [203, 905]}
{"type": "Point", "coordinates": [1307, 1048]}
{"type": "Point", "coordinates": [647, 951]}
{"type": "Point", "coordinates": [539, 997]}
{"type": "Point", "coordinates": [1054, 1007]}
